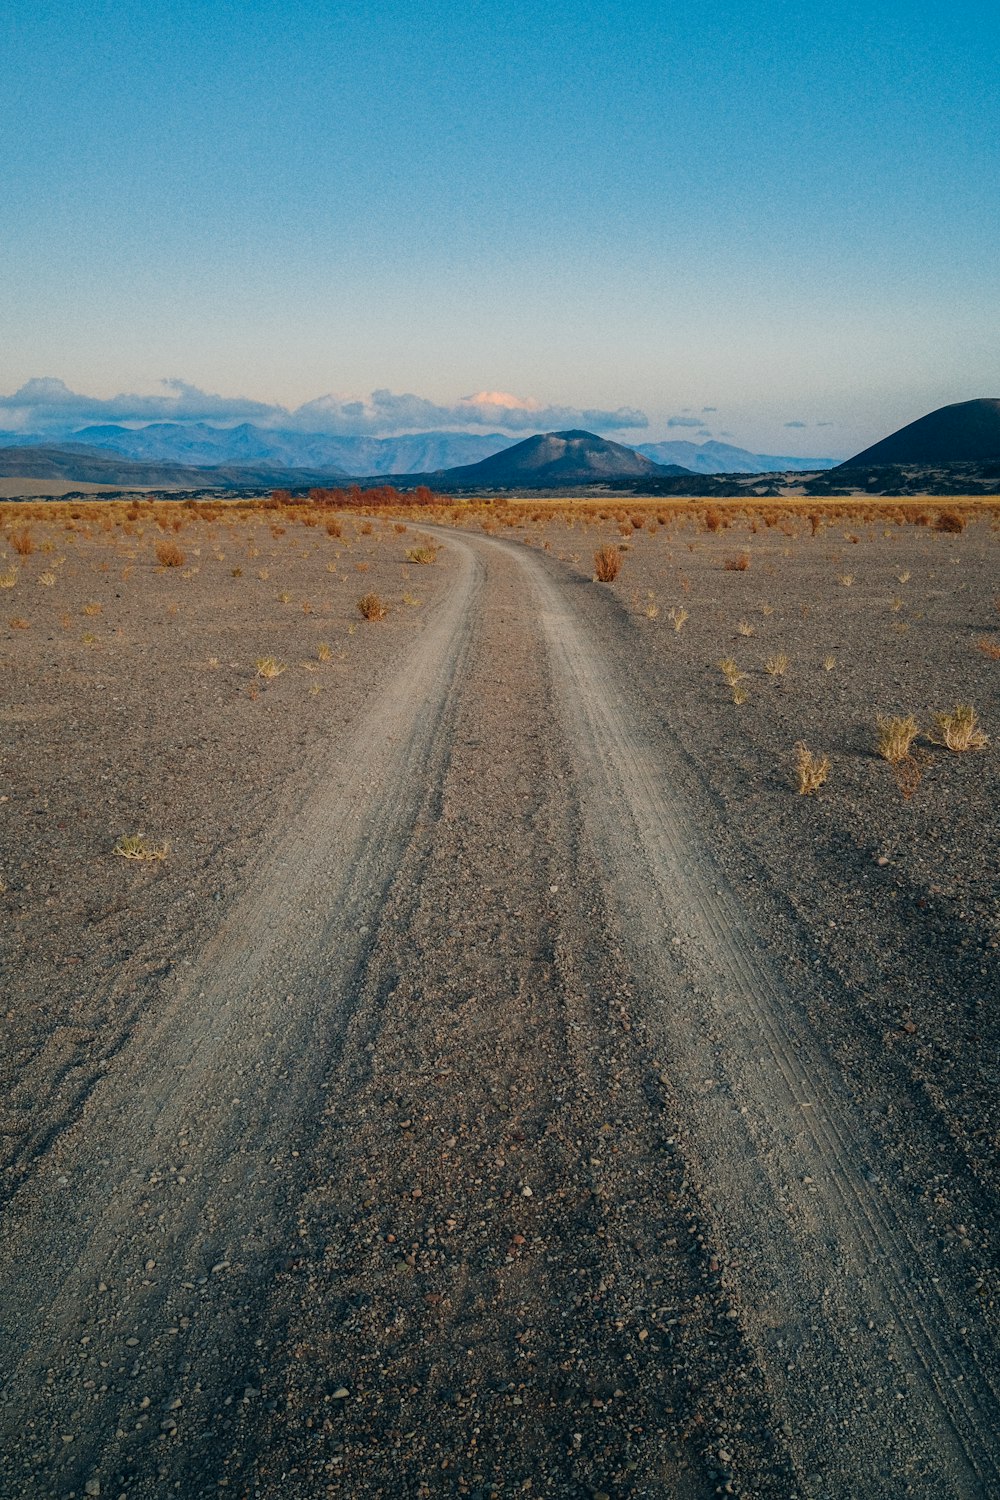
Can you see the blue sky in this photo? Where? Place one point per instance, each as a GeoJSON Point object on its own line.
{"type": "Point", "coordinates": [785, 212]}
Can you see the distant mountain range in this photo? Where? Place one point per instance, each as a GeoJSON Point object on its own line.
{"type": "Point", "coordinates": [200, 443]}
{"type": "Point", "coordinates": [953, 450]}
{"type": "Point", "coordinates": [723, 458]}
{"type": "Point", "coordinates": [82, 465]}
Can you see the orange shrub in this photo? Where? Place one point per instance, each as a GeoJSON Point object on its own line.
{"type": "Point", "coordinates": [169, 555]}
{"type": "Point", "coordinates": [607, 563]}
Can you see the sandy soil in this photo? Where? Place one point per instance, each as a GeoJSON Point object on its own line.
{"type": "Point", "coordinates": [507, 1083]}
{"type": "Point", "coordinates": [54, 488]}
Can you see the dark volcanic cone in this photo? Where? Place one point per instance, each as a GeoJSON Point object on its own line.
{"type": "Point", "coordinates": [967, 432]}
{"type": "Point", "coordinates": [556, 458]}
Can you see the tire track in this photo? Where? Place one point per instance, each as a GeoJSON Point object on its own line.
{"type": "Point", "coordinates": [135, 1267]}
{"type": "Point", "coordinates": [843, 1294]}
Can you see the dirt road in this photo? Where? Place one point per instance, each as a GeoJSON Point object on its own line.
{"type": "Point", "coordinates": [486, 1147]}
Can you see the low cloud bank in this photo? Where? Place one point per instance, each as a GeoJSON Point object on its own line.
{"type": "Point", "coordinates": [49, 405]}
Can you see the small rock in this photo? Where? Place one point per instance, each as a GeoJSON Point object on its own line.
{"type": "Point", "coordinates": [92, 1487]}
{"type": "Point", "coordinates": [341, 1393]}
{"type": "Point", "coordinates": [526, 1192]}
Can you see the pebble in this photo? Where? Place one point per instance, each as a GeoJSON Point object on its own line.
{"type": "Point", "coordinates": [527, 1193]}
{"type": "Point", "coordinates": [92, 1487]}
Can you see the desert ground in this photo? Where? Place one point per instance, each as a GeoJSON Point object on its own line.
{"type": "Point", "coordinates": [498, 1078]}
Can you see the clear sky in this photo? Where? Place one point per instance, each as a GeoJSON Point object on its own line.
{"type": "Point", "coordinates": [786, 212]}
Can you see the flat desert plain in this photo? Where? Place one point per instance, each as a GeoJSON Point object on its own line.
{"type": "Point", "coordinates": [498, 1078]}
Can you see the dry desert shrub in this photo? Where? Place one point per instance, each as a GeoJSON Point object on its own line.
{"type": "Point", "coordinates": [731, 672]}
{"type": "Point", "coordinates": [777, 665]}
{"type": "Point", "coordinates": [737, 564]}
{"type": "Point", "coordinates": [958, 729]}
{"type": "Point", "coordinates": [607, 563]}
{"type": "Point", "coordinates": [989, 648]}
{"type": "Point", "coordinates": [829, 662]}
{"type": "Point", "coordinates": [134, 846]}
{"type": "Point", "coordinates": [371, 607]}
{"type": "Point", "coordinates": [333, 527]}
{"type": "Point", "coordinates": [677, 616]}
{"type": "Point", "coordinates": [895, 736]}
{"type": "Point", "coordinates": [47, 579]}
{"type": "Point", "coordinates": [22, 542]}
{"type": "Point", "coordinates": [269, 667]}
{"type": "Point", "coordinates": [425, 555]}
{"type": "Point", "coordinates": [811, 770]}
{"type": "Point", "coordinates": [951, 521]}
{"type": "Point", "coordinates": [17, 622]}
{"type": "Point", "coordinates": [169, 555]}
{"type": "Point", "coordinates": [8, 578]}
{"type": "Point", "coordinates": [744, 628]}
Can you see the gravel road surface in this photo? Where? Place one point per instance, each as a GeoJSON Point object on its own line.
{"type": "Point", "coordinates": [484, 1144]}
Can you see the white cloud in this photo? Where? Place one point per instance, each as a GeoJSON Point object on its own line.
{"type": "Point", "coordinates": [796, 424]}
{"type": "Point", "coordinates": [48, 404]}
{"type": "Point", "coordinates": [685, 422]}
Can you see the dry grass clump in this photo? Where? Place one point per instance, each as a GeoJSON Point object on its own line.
{"type": "Point", "coordinates": [895, 736]}
{"type": "Point", "coordinates": [777, 665]}
{"type": "Point", "coordinates": [607, 563]}
{"type": "Point", "coordinates": [18, 622]}
{"type": "Point", "coordinates": [425, 554]}
{"type": "Point", "coordinates": [22, 542]}
{"type": "Point", "coordinates": [829, 662]}
{"type": "Point", "coordinates": [269, 667]}
{"type": "Point", "coordinates": [47, 579]}
{"type": "Point", "coordinates": [745, 628]}
{"type": "Point", "coordinates": [371, 607]}
{"type": "Point", "coordinates": [169, 555]}
{"type": "Point", "coordinates": [8, 578]}
{"type": "Point", "coordinates": [92, 608]}
{"type": "Point", "coordinates": [958, 729]}
{"type": "Point", "coordinates": [989, 648]}
{"type": "Point", "coordinates": [677, 616]}
{"type": "Point", "coordinates": [134, 846]}
{"type": "Point", "coordinates": [323, 651]}
{"type": "Point", "coordinates": [811, 770]}
{"type": "Point", "coordinates": [951, 521]}
{"type": "Point", "coordinates": [731, 672]}
{"type": "Point", "coordinates": [737, 564]}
